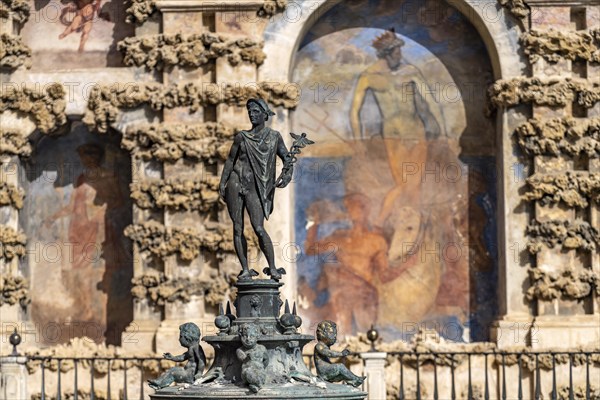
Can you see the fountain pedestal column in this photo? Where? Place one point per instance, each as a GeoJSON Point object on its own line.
{"type": "Point", "coordinates": [258, 302]}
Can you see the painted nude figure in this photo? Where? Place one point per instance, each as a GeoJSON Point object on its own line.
{"type": "Point", "coordinates": [410, 116]}
{"type": "Point", "coordinates": [253, 356]}
{"type": "Point", "coordinates": [189, 336]}
{"type": "Point", "coordinates": [328, 371]}
{"type": "Point", "coordinates": [248, 182]}
{"type": "Point", "coordinates": [85, 11]}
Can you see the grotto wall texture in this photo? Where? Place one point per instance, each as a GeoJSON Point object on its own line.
{"type": "Point", "coordinates": [114, 130]}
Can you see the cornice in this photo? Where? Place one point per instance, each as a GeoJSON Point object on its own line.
{"type": "Point", "coordinates": [208, 5]}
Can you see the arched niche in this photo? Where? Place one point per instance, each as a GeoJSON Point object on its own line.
{"type": "Point", "coordinates": [79, 263]}
{"type": "Point", "coordinates": [427, 34]}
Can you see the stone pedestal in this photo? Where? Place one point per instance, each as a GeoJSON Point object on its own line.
{"type": "Point", "coordinates": [258, 301]}
{"type": "Point", "coordinates": [512, 330]}
{"type": "Point", "coordinates": [13, 374]}
{"type": "Point", "coordinates": [375, 372]}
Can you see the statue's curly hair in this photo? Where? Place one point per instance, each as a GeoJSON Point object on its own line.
{"type": "Point", "coordinates": [325, 328]}
{"type": "Point", "coordinates": [190, 331]}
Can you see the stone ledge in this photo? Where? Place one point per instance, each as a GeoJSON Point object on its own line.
{"type": "Point", "coordinates": [208, 5]}
{"type": "Point", "coordinates": [565, 331]}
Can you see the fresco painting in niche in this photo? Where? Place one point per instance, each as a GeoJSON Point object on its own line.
{"type": "Point", "coordinates": [395, 204]}
{"type": "Point", "coordinates": [77, 207]}
{"type": "Point", "coordinates": [76, 33]}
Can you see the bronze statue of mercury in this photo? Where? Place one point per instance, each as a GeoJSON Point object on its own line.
{"type": "Point", "coordinates": [248, 183]}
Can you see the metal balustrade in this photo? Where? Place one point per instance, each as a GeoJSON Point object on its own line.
{"type": "Point", "coordinates": [415, 375]}
{"type": "Point", "coordinates": [140, 364]}
{"type": "Point", "coordinates": [499, 374]}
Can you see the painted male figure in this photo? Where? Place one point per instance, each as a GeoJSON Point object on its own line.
{"type": "Point", "coordinates": [248, 182]}
{"type": "Point", "coordinates": [410, 116]}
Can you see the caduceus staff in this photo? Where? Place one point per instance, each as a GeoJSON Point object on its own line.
{"type": "Point", "coordinates": [300, 142]}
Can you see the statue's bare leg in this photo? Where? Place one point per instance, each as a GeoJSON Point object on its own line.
{"type": "Point", "coordinates": [352, 379]}
{"type": "Point", "coordinates": [257, 219]}
{"type": "Point", "coordinates": [163, 381]}
{"type": "Point", "coordinates": [235, 207]}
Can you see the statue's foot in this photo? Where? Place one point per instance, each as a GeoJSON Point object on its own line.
{"type": "Point", "coordinates": [254, 388]}
{"type": "Point", "coordinates": [153, 385]}
{"type": "Point", "coordinates": [210, 376]}
{"type": "Point", "coordinates": [358, 381]}
{"type": "Point", "coordinates": [275, 274]}
{"type": "Point", "coordinates": [247, 275]}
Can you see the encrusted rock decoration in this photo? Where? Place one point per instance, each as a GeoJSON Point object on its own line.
{"type": "Point", "coordinates": [272, 7]}
{"type": "Point", "coordinates": [12, 243]}
{"type": "Point", "coordinates": [518, 8]}
{"type": "Point", "coordinates": [565, 284]}
{"type": "Point", "coordinates": [553, 45]}
{"type": "Point", "coordinates": [572, 188]}
{"type": "Point", "coordinates": [107, 101]}
{"type": "Point", "coordinates": [569, 235]}
{"type": "Point", "coordinates": [160, 51]}
{"type": "Point", "coordinates": [154, 238]}
{"type": "Point", "coordinates": [177, 194]}
{"type": "Point", "coordinates": [552, 92]}
{"type": "Point", "coordinates": [20, 10]}
{"type": "Point", "coordinates": [13, 52]}
{"type": "Point", "coordinates": [161, 290]}
{"type": "Point", "coordinates": [11, 195]}
{"type": "Point", "coordinates": [14, 290]}
{"type": "Point", "coordinates": [46, 107]}
{"type": "Point", "coordinates": [560, 136]}
{"type": "Point", "coordinates": [208, 142]}
{"type": "Point", "coordinates": [140, 10]}
{"type": "Point", "coordinates": [82, 394]}
{"type": "Point", "coordinates": [545, 361]}
{"type": "Point", "coordinates": [579, 392]}
{"type": "Point", "coordinates": [14, 144]}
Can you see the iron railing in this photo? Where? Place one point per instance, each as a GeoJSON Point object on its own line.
{"type": "Point", "coordinates": [128, 363]}
{"type": "Point", "coordinates": [503, 375]}
{"type": "Point", "coordinates": [418, 375]}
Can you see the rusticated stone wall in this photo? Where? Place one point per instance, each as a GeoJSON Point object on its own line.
{"type": "Point", "coordinates": [559, 146]}
{"type": "Point", "coordinates": [178, 228]}
{"type": "Point", "coordinates": [188, 67]}
{"type": "Point", "coordinates": [194, 66]}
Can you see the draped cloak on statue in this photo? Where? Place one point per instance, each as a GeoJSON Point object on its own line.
{"type": "Point", "coordinates": [261, 150]}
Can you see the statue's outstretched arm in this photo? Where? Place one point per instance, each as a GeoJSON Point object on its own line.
{"type": "Point", "coordinates": [328, 352]}
{"type": "Point", "coordinates": [179, 358]}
